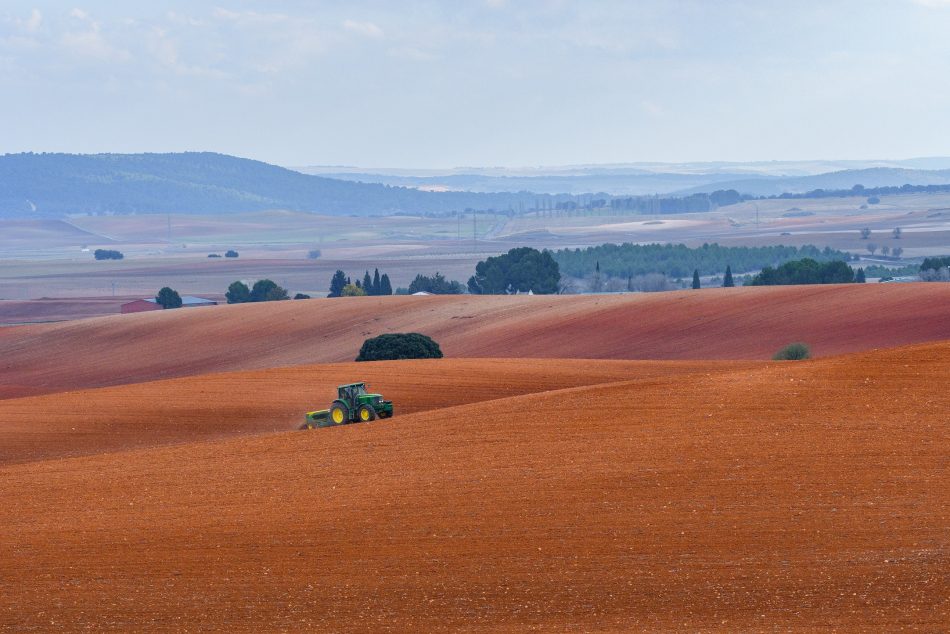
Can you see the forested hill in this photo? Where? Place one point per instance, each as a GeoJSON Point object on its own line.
{"type": "Point", "coordinates": [55, 185]}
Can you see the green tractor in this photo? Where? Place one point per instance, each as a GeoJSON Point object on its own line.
{"type": "Point", "coordinates": [352, 405]}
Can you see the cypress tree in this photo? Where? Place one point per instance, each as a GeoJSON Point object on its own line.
{"type": "Point", "coordinates": [727, 281]}
{"type": "Point", "coordinates": [377, 290]}
{"type": "Point", "coordinates": [368, 284]}
{"type": "Point", "coordinates": [385, 287]}
{"type": "Point", "coordinates": [696, 278]}
{"type": "Point", "coordinates": [859, 277]}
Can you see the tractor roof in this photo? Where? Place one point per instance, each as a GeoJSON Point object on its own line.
{"type": "Point", "coordinates": [352, 385]}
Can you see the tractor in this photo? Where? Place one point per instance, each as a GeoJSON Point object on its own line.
{"type": "Point", "coordinates": [353, 404]}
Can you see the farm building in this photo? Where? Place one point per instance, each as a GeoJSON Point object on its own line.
{"type": "Point", "coordinates": [142, 305]}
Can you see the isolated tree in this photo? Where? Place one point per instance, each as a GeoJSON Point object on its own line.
{"type": "Point", "coordinates": [376, 283]}
{"type": "Point", "coordinates": [230, 253]}
{"type": "Point", "coordinates": [727, 281]}
{"type": "Point", "coordinates": [168, 298]}
{"type": "Point", "coordinates": [696, 283]}
{"type": "Point", "coordinates": [238, 293]}
{"type": "Point", "coordinates": [267, 291]}
{"type": "Point", "coordinates": [897, 251]}
{"type": "Point", "coordinates": [885, 250]}
{"type": "Point", "coordinates": [301, 296]}
{"type": "Point", "coordinates": [865, 233]}
{"type": "Point", "coordinates": [337, 282]}
{"type": "Point", "coordinates": [107, 254]}
{"type": "Point", "coordinates": [871, 247]}
{"type": "Point", "coordinates": [385, 287]}
{"type": "Point", "coordinates": [314, 254]}
{"type": "Point", "coordinates": [859, 277]}
{"type": "Point", "coordinates": [897, 233]}
{"type": "Point", "coordinates": [352, 290]}
{"type": "Point", "coordinates": [411, 345]}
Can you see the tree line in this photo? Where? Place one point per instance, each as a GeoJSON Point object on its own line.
{"type": "Point", "coordinates": [679, 261]}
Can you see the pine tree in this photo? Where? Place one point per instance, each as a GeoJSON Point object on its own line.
{"type": "Point", "coordinates": [727, 282]}
{"type": "Point", "coordinates": [385, 287]}
{"type": "Point", "coordinates": [859, 277]}
{"type": "Point", "coordinates": [376, 282]}
{"type": "Point", "coordinates": [367, 284]}
{"type": "Point", "coordinates": [696, 278]}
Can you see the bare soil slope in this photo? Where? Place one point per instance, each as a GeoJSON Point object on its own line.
{"type": "Point", "coordinates": [740, 323]}
{"type": "Point", "coordinates": [793, 496]}
{"type": "Point", "coordinates": [261, 401]}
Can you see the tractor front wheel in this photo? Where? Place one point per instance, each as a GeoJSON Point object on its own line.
{"type": "Point", "coordinates": [366, 413]}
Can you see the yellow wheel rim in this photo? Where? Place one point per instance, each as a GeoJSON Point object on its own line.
{"type": "Point", "coordinates": [364, 415]}
{"type": "Point", "coordinates": [337, 416]}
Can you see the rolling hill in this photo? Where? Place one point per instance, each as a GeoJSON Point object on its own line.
{"type": "Point", "coordinates": [56, 185]}
{"type": "Point", "coordinates": [784, 496]}
{"type": "Point", "coordinates": [738, 323]}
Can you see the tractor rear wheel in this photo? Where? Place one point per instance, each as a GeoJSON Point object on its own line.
{"type": "Point", "coordinates": [339, 415]}
{"type": "Point", "coordinates": [366, 413]}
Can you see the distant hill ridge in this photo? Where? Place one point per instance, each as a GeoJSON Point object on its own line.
{"type": "Point", "coordinates": [56, 185]}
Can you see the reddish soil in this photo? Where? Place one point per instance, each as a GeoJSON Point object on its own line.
{"type": "Point", "coordinates": [265, 401]}
{"type": "Point", "coordinates": [792, 496]}
{"type": "Point", "coordinates": [740, 323]}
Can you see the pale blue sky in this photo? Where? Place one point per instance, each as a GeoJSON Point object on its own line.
{"type": "Point", "coordinates": [484, 82]}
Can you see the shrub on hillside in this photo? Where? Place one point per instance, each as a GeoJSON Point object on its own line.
{"type": "Point", "coordinates": [792, 352]}
{"type": "Point", "coordinates": [230, 253]}
{"type": "Point", "coordinates": [390, 347]}
{"type": "Point", "coordinates": [301, 296]}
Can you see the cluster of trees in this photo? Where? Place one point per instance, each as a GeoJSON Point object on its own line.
{"type": "Point", "coordinates": [935, 269]}
{"type": "Point", "coordinates": [678, 261]}
{"type": "Point", "coordinates": [262, 291]}
{"type": "Point", "coordinates": [520, 270]}
{"type": "Point", "coordinates": [437, 285]}
{"type": "Point", "coordinates": [873, 193]}
{"type": "Point", "coordinates": [935, 263]}
{"type": "Point", "coordinates": [107, 254]}
{"type": "Point", "coordinates": [805, 271]}
{"type": "Point", "coordinates": [343, 286]}
{"type": "Point", "coordinates": [390, 347]}
{"type": "Point", "coordinates": [671, 205]}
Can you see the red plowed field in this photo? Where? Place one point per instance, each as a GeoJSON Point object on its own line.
{"type": "Point", "coordinates": [262, 401]}
{"type": "Point", "coordinates": [739, 323]}
{"type": "Point", "coordinates": [790, 496]}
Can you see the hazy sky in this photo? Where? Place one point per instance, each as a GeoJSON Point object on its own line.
{"type": "Point", "coordinates": [479, 82]}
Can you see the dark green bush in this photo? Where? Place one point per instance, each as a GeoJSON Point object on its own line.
{"type": "Point", "coordinates": [792, 352]}
{"type": "Point", "coordinates": [168, 298]}
{"type": "Point", "coordinates": [411, 345]}
{"type": "Point", "coordinates": [108, 254]}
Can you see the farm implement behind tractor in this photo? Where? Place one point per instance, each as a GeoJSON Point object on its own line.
{"type": "Point", "coordinates": [352, 405]}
